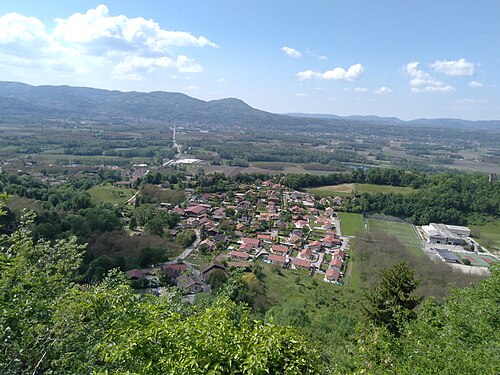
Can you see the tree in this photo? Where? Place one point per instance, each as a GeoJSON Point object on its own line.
{"type": "Point", "coordinates": [48, 324]}
{"type": "Point", "coordinates": [133, 223]}
{"type": "Point", "coordinates": [391, 302]}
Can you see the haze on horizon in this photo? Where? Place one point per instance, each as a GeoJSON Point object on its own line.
{"type": "Point", "coordinates": [385, 58]}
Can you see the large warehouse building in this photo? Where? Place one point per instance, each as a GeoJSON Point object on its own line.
{"type": "Point", "coordinates": [445, 234]}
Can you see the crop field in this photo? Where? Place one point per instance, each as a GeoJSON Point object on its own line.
{"type": "Point", "coordinates": [403, 231]}
{"type": "Point", "coordinates": [351, 223]}
{"type": "Point", "coordinates": [348, 189]}
{"type": "Point", "coordinates": [110, 194]}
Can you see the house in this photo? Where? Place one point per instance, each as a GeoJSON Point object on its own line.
{"type": "Point", "coordinates": [134, 274]}
{"type": "Point", "coordinates": [314, 246]}
{"type": "Point", "coordinates": [219, 214]}
{"type": "Point", "coordinates": [339, 254]}
{"type": "Point", "coordinates": [336, 263]}
{"type": "Point", "coordinates": [300, 224]}
{"type": "Point", "coordinates": [208, 243]}
{"type": "Point", "coordinates": [279, 249]}
{"type": "Point", "coordinates": [332, 275]}
{"type": "Point", "coordinates": [253, 242]}
{"type": "Point", "coordinates": [330, 211]}
{"type": "Point", "coordinates": [173, 271]}
{"type": "Point", "coordinates": [219, 237]}
{"type": "Point", "coordinates": [207, 269]}
{"type": "Point", "coordinates": [195, 210]}
{"type": "Point", "coordinates": [306, 254]}
{"type": "Point", "coordinates": [235, 254]}
{"type": "Point", "coordinates": [193, 221]}
{"type": "Point", "coordinates": [191, 284]}
{"type": "Point", "coordinates": [276, 259]}
{"type": "Point", "coordinates": [302, 264]}
{"type": "Point", "coordinates": [268, 238]}
{"type": "Point", "coordinates": [331, 241]}
{"type": "Point", "coordinates": [240, 227]}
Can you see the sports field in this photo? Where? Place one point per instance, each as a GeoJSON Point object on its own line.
{"type": "Point", "coordinates": [351, 223]}
{"type": "Point", "coordinates": [348, 189]}
{"type": "Point", "coordinates": [403, 231]}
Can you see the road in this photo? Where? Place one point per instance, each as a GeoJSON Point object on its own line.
{"type": "Point", "coordinates": [187, 252]}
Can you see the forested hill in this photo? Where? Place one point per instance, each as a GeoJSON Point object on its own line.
{"type": "Point", "coordinates": [39, 103]}
{"type": "Point", "coordinates": [20, 101]}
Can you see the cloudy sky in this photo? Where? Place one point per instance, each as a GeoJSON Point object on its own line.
{"type": "Point", "coordinates": [408, 59]}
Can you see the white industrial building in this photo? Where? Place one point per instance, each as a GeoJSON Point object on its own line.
{"type": "Point", "coordinates": [445, 234]}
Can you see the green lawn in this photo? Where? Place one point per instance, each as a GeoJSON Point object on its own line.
{"type": "Point", "coordinates": [489, 235]}
{"type": "Point", "coordinates": [110, 194]}
{"type": "Point", "coordinates": [351, 223]}
{"type": "Point", "coordinates": [348, 189]}
{"type": "Point", "coordinates": [403, 231]}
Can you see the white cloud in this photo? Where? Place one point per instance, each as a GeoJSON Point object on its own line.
{"type": "Point", "coordinates": [469, 101]}
{"type": "Point", "coordinates": [339, 74]}
{"type": "Point", "coordinates": [308, 74]}
{"type": "Point", "coordinates": [192, 88]}
{"type": "Point", "coordinates": [383, 90]}
{"type": "Point", "coordinates": [300, 94]}
{"type": "Point", "coordinates": [291, 52]}
{"type": "Point", "coordinates": [459, 67]}
{"type": "Point", "coordinates": [424, 82]}
{"type": "Point", "coordinates": [361, 89]}
{"type": "Point", "coordinates": [128, 47]}
{"type": "Point", "coordinates": [222, 80]}
{"type": "Point", "coordinates": [475, 84]}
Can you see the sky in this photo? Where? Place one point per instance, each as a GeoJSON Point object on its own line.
{"type": "Point", "coordinates": [409, 59]}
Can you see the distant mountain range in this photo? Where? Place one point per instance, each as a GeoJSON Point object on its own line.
{"type": "Point", "coordinates": [439, 122]}
{"type": "Point", "coordinates": [19, 101]}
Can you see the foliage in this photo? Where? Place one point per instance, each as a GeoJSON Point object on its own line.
{"type": "Point", "coordinates": [49, 325]}
{"type": "Point", "coordinates": [391, 302]}
{"type": "Point", "coordinates": [460, 336]}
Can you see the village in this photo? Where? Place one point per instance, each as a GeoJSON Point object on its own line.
{"type": "Point", "coordinates": [267, 223]}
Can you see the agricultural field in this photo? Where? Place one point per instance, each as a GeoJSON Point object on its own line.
{"type": "Point", "coordinates": [110, 194]}
{"type": "Point", "coordinates": [349, 189]}
{"type": "Point", "coordinates": [351, 223]}
{"type": "Point", "coordinates": [403, 231]}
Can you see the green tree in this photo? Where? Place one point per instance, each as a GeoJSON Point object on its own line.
{"type": "Point", "coordinates": [391, 302]}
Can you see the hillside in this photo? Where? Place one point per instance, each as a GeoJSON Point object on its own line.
{"type": "Point", "coordinates": [22, 101]}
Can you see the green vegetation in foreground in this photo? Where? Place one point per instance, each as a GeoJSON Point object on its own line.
{"type": "Point", "coordinates": [348, 189]}
{"type": "Point", "coordinates": [403, 231]}
{"type": "Point", "coordinates": [324, 313]}
{"type": "Point", "coordinates": [489, 234]}
{"type": "Point", "coordinates": [351, 223]}
{"type": "Point", "coordinates": [110, 194]}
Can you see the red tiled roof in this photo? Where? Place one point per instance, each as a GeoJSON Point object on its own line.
{"type": "Point", "coordinates": [279, 248]}
{"type": "Point", "coordinates": [276, 258]}
{"type": "Point", "coordinates": [302, 263]}
{"type": "Point", "coordinates": [332, 274]}
{"type": "Point", "coordinates": [239, 255]}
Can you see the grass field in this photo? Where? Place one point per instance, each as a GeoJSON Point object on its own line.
{"type": "Point", "coordinates": [351, 223]}
{"type": "Point", "coordinates": [348, 189]}
{"type": "Point", "coordinates": [110, 194]}
{"type": "Point", "coordinates": [489, 235]}
{"type": "Point", "coordinates": [404, 232]}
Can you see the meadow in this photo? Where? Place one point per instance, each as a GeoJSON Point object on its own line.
{"type": "Point", "coordinates": [403, 231]}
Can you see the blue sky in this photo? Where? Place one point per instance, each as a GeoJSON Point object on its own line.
{"type": "Point", "coordinates": [408, 59]}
